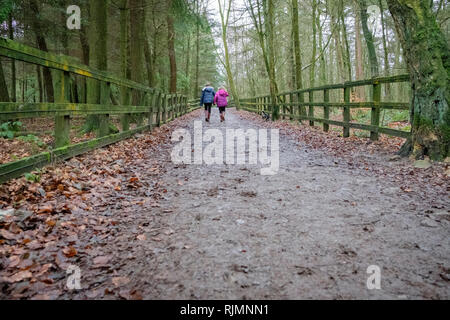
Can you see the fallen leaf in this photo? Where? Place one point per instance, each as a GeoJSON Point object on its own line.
{"type": "Point", "coordinates": [50, 223]}
{"type": "Point", "coordinates": [70, 252]}
{"type": "Point", "coordinates": [101, 261]}
{"type": "Point", "coordinates": [34, 245]}
{"type": "Point", "coordinates": [136, 295]}
{"type": "Point", "coordinates": [141, 237]}
{"type": "Point", "coordinates": [120, 281]}
{"type": "Point", "coordinates": [44, 269]}
{"type": "Point", "coordinates": [13, 261]}
{"type": "Point", "coordinates": [20, 276]}
{"type": "Point", "coordinates": [45, 209]}
{"type": "Point", "coordinates": [7, 235]}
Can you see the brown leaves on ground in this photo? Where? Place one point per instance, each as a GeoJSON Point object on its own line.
{"type": "Point", "coordinates": [431, 184]}
{"type": "Point", "coordinates": [15, 149]}
{"type": "Point", "coordinates": [66, 219]}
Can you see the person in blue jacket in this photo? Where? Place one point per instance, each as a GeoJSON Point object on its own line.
{"type": "Point", "coordinates": [207, 100]}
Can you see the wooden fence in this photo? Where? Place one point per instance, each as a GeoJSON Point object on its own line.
{"type": "Point", "coordinates": [155, 106]}
{"type": "Point", "coordinates": [293, 106]}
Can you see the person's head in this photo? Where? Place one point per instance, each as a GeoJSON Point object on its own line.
{"type": "Point", "coordinates": [208, 84]}
{"type": "Point", "coordinates": [223, 88]}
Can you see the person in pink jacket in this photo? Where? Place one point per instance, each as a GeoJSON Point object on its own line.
{"type": "Point", "coordinates": [221, 101]}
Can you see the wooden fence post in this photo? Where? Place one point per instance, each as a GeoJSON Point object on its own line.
{"type": "Point", "coordinates": [311, 108]}
{"type": "Point", "coordinates": [182, 106]}
{"type": "Point", "coordinates": [346, 112]}
{"type": "Point", "coordinates": [262, 102]}
{"type": "Point", "coordinates": [301, 108]}
{"type": "Point", "coordinates": [175, 107]}
{"type": "Point", "coordinates": [150, 113]}
{"type": "Point", "coordinates": [375, 114]}
{"type": "Point", "coordinates": [125, 100]}
{"type": "Point", "coordinates": [142, 102]}
{"type": "Point", "coordinates": [172, 107]}
{"type": "Point", "coordinates": [326, 109]}
{"type": "Point", "coordinates": [164, 108]}
{"type": "Point", "coordinates": [158, 108]}
{"type": "Point", "coordinates": [291, 107]}
{"type": "Point", "coordinates": [62, 123]}
{"type": "Point", "coordinates": [105, 92]}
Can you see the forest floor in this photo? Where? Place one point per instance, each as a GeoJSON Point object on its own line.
{"type": "Point", "coordinates": [141, 227]}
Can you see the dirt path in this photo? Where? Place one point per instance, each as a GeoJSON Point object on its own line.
{"type": "Point", "coordinates": [227, 232]}
{"type": "Point", "coordinates": [310, 231]}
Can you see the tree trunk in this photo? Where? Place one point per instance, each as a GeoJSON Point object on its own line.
{"type": "Point", "coordinates": [224, 18]}
{"type": "Point", "coordinates": [427, 56]}
{"type": "Point", "coordinates": [347, 61]}
{"type": "Point", "coordinates": [42, 45]}
{"type": "Point", "coordinates": [136, 45]}
{"type": "Point", "coordinates": [124, 31]}
{"type": "Point", "coordinates": [39, 80]}
{"type": "Point", "coordinates": [269, 20]}
{"type": "Point", "coordinates": [13, 62]}
{"type": "Point", "coordinates": [369, 39]}
{"type": "Point", "coordinates": [197, 53]}
{"type": "Point", "coordinates": [297, 53]}
{"type": "Point", "coordinates": [4, 96]}
{"type": "Point", "coordinates": [148, 54]}
{"type": "Point", "coordinates": [338, 48]}
{"type": "Point", "coordinates": [188, 63]}
{"type": "Point", "coordinates": [323, 66]}
{"type": "Point", "coordinates": [171, 48]}
{"type": "Point", "coordinates": [312, 70]}
{"type": "Point", "coordinates": [148, 61]}
{"type": "Point", "coordinates": [98, 56]}
{"type": "Point", "coordinates": [359, 56]}
{"type": "Point", "coordinates": [85, 57]}
{"type": "Point", "coordinates": [385, 49]}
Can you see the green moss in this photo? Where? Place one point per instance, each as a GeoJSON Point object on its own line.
{"type": "Point", "coordinates": [93, 143]}
{"type": "Point", "coordinates": [48, 156]}
{"type": "Point", "coordinates": [423, 123]}
{"type": "Point", "coordinates": [433, 140]}
{"type": "Point", "coordinates": [63, 149]}
{"type": "Point", "coordinates": [445, 133]}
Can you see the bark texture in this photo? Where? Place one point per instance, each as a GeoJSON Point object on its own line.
{"type": "Point", "coordinates": [428, 59]}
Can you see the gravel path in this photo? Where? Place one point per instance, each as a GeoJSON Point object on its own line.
{"type": "Point", "coordinates": [147, 228]}
{"type": "Point", "coordinates": [311, 231]}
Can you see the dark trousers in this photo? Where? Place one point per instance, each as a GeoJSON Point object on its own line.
{"type": "Point", "coordinates": [208, 107]}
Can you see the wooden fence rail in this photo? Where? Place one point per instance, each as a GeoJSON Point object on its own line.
{"type": "Point", "coordinates": [293, 106]}
{"type": "Point", "coordinates": [154, 105]}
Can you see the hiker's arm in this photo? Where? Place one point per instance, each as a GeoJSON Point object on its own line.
{"type": "Point", "coordinates": [203, 96]}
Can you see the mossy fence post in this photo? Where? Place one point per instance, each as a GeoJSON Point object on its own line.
{"type": "Point", "coordinates": [62, 95]}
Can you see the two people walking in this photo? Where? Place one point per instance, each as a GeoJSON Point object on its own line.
{"type": "Point", "coordinates": [210, 98]}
